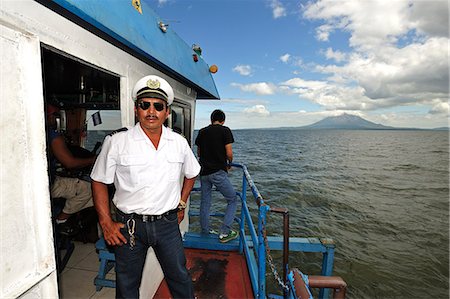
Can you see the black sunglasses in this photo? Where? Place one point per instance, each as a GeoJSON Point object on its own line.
{"type": "Point", "coordinates": [145, 105]}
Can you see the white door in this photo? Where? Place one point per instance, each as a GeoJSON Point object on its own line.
{"type": "Point", "coordinates": [27, 259]}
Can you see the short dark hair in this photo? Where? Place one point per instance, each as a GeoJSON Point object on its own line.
{"type": "Point", "coordinates": [217, 115]}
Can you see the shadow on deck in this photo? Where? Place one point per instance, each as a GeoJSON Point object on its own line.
{"type": "Point", "coordinates": [215, 274]}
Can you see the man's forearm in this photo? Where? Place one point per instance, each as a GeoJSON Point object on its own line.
{"type": "Point", "coordinates": [188, 184]}
{"type": "Point", "coordinates": [229, 152]}
{"type": "Point", "coordinates": [101, 201]}
{"type": "Point", "coordinates": [111, 229]}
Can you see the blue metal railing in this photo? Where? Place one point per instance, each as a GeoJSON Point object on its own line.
{"type": "Point", "coordinates": [254, 245]}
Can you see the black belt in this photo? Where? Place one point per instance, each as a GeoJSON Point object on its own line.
{"type": "Point", "coordinates": [147, 218]}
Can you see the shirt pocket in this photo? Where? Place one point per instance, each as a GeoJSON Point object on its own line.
{"type": "Point", "coordinates": [175, 166]}
{"type": "Point", "coordinates": [130, 167]}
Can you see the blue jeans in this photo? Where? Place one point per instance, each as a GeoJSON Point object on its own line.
{"type": "Point", "coordinates": [223, 184]}
{"type": "Point", "coordinates": [165, 238]}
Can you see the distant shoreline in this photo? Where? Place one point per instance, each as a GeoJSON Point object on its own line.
{"type": "Point", "coordinates": [343, 129]}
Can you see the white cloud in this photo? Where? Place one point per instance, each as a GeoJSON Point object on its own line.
{"type": "Point", "coordinates": [430, 17]}
{"type": "Point", "coordinates": [278, 9]}
{"type": "Point", "coordinates": [338, 56]}
{"type": "Point", "coordinates": [261, 88]}
{"type": "Point", "coordinates": [162, 2]}
{"type": "Point", "coordinates": [440, 108]}
{"type": "Point", "coordinates": [379, 22]}
{"type": "Point", "coordinates": [369, 22]}
{"type": "Point", "coordinates": [398, 57]}
{"type": "Point", "coordinates": [259, 110]}
{"type": "Point", "coordinates": [408, 120]}
{"type": "Point", "coordinates": [323, 32]}
{"type": "Point", "coordinates": [297, 61]}
{"type": "Point", "coordinates": [415, 71]}
{"type": "Point", "coordinates": [244, 70]}
{"type": "Point", "coordinates": [299, 83]}
{"type": "Point", "coordinates": [285, 58]}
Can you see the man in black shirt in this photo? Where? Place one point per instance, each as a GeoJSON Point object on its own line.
{"type": "Point", "coordinates": [214, 148]}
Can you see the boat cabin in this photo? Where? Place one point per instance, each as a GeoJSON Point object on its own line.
{"type": "Point", "coordinates": [85, 57]}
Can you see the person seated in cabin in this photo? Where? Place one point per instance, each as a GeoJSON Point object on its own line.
{"type": "Point", "coordinates": [70, 183]}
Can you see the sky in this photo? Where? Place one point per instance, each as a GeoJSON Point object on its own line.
{"type": "Point", "coordinates": [286, 63]}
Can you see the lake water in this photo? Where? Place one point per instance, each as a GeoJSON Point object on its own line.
{"type": "Point", "coordinates": [382, 196]}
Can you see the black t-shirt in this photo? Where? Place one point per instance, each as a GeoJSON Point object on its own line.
{"type": "Point", "coordinates": [212, 140]}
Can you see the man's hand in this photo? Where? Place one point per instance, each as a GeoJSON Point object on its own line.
{"type": "Point", "coordinates": [111, 229]}
{"type": "Point", "coordinates": [180, 215]}
{"type": "Point", "coordinates": [112, 234]}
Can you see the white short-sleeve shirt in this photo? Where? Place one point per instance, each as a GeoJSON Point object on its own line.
{"type": "Point", "coordinates": [147, 180]}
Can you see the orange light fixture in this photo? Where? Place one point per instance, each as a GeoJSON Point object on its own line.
{"type": "Point", "coordinates": [213, 68]}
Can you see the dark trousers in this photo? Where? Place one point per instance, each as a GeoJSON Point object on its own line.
{"type": "Point", "coordinates": [165, 238]}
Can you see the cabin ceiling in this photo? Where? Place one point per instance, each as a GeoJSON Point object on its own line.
{"type": "Point", "coordinates": [71, 83]}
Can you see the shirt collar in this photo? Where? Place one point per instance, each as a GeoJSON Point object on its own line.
{"type": "Point", "coordinates": [139, 134]}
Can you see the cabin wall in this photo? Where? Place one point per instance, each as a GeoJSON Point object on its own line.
{"type": "Point", "coordinates": [26, 254]}
{"type": "Point", "coordinates": [27, 257]}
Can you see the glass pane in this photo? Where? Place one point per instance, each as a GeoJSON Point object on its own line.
{"type": "Point", "coordinates": [178, 119]}
{"type": "Point", "coordinates": [96, 133]}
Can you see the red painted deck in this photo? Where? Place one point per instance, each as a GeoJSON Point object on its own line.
{"type": "Point", "coordinates": [215, 274]}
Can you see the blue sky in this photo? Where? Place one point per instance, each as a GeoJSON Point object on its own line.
{"type": "Point", "coordinates": [292, 63]}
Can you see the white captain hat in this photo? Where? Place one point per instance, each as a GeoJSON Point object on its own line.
{"type": "Point", "coordinates": [153, 86]}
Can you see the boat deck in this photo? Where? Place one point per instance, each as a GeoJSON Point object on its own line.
{"type": "Point", "coordinates": [215, 274]}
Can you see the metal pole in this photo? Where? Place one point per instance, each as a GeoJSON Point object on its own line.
{"type": "Point", "coordinates": [262, 252]}
{"type": "Point", "coordinates": [285, 213]}
{"type": "Point", "coordinates": [285, 249]}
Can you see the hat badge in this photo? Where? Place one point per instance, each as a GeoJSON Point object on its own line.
{"type": "Point", "coordinates": [153, 84]}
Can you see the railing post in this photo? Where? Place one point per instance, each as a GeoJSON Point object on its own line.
{"type": "Point", "coordinates": [285, 213]}
{"type": "Point", "coordinates": [262, 214]}
{"type": "Point", "coordinates": [285, 249]}
{"type": "Point", "coordinates": [244, 200]}
{"type": "Point", "coordinates": [327, 264]}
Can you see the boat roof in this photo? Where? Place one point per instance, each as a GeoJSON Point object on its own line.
{"type": "Point", "coordinates": [135, 27]}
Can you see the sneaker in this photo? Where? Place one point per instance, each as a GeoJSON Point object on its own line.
{"type": "Point", "coordinates": [210, 232]}
{"type": "Point", "coordinates": [228, 237]}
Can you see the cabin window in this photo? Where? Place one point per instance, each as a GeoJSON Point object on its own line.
{"type": "Point", "coordinates": [85, 93]}
{"type": "Point", "coordinates": [111, 120]}
{"type": "Point", "coordinates": [77, 83]}
{"type": "Point", "coordinates": [180, 119]}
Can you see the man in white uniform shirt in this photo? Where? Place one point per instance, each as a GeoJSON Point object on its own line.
{"type": "Point", "coordinates": [153, 170]}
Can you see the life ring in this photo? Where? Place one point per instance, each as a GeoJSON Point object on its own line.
{"type": "Point", "coordinates": [301, 285]}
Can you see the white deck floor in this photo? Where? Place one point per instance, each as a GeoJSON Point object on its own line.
{"type": "Point", "coordinates": [77, 278]}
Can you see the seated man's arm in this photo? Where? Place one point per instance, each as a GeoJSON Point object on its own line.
{"type": "Point", "coordinates": [63, 155]}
